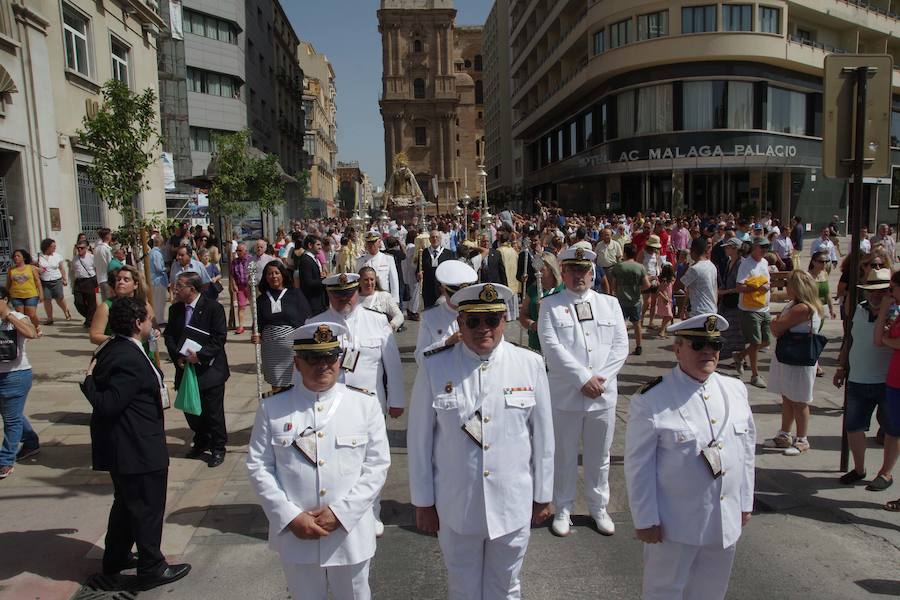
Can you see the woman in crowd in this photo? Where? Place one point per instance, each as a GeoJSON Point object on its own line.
{"type": "Point", "coordinates": [25, 290]}
{"type": "Point", "coordinates": [280, 308]}
{"type": "Point", "coordinates": [239, 285]}
{"type": "Point", "coordinates": [372, 296]}
{"type": "Point", "coordinates": [53, 279]}
{"type": "Point", "coordinates": [128, 284]}
{"type": "Point", "coordinates": [328, 251]}
{"type": "Point", "coordinates": [653, 262]}
{"type": "Point", "coordinates": [551, 282]}
{"type": "Point", "coordinates": [15, 383]}
{"type": "Point", "coordinates": [817, 271]}
{"type": "Point", "coordinates": [802, 314]}
{"type": "Point", "coordinates": [887, 333]}
{"type": "Point", "coordinates": [729, 296]}
{"type": "Point", "coordinates": [877, 259]}
{"type": "Point", "coordinates": [215, 275]}
{"type": "Point", "coordinates": [118, 259]}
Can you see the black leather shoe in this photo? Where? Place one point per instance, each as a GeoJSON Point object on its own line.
{"type": "Point", "coordinates": [218, 457]}
{"type": "Point", "coordinates": [195, 452]}
{"type": "Point", "coordinates": [170, 574]}
{"type": "Point", "coordinates": [131, 563]}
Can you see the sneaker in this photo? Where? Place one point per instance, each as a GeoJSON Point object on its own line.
{"type": "Point", "coordinates": [6, 471]}
{"type": "Point", "coordinates": [782, 440]}
{"type": "Point", "coordinates": [798, 448]}
{"type": "Point", "coordinates": [638, 350]}
{"type": "Point", "coordinates": [738, 363]}
{"type": "Point", "coordinates": [604, 522]}
{"type": "Point", "coordinates": [758, 381]}
{"type": "Point", "coordinates": [561, 524]}
{"type": "Point", "coordinates": [26, 452]}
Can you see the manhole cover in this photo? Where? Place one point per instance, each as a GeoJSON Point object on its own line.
{"type": "Point", "coordinates": [102, 587]}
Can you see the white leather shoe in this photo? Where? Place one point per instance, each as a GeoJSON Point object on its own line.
{"type": "Point", "coordinates": [379, 528]}
{"type": "Point", "coordinates": [604, 523]}
{"type": "Point", "coordinates": [561, 524]}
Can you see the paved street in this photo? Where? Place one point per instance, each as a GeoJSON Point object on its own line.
{"type": "Point", "coordinates": [810, 537]}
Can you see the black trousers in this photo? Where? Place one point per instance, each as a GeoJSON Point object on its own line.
{"type": "Point", "coordinates": [85, 302]}
{"type": "Point", "coordinates": [209, 426]}
{"type": "Point", "coordinates": [136, 518]}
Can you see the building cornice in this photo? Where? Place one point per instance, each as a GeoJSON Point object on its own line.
{"type": "Point", "coordinates": [31, 18]}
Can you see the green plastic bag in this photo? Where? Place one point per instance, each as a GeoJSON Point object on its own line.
{"type": "Point", "coordinates": [188, 398]}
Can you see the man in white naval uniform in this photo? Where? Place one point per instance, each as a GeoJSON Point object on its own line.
{"type": "Point", "coordinates": [318, 457]}
{"type": "Point", "coordinates": [384, 264]}
{"type": "Point", "coordinates": [438, 323]}
{"type": "Point", "coordinates": [480, 447]}
{"type": "Point", "coordinates": [585, 343]}
{"type": "Point", "coordinates": [689, 458]}
{"type": "Point", "coordinates": [370, 351]}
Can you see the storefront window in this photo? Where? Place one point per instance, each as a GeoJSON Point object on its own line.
{"type": "Point", "coordinates": [786, 111]}
{"type": "Point", "coordinates": [654, 113]}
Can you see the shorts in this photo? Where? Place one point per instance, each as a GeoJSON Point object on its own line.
{"type": "Point", "coordinates": [755, 327]}
{"type": "Point", "coordinates": [633, 312]}
{"type": "Point", "coordinates": [53, 289]}
{"type": "Point", "coordinates": [19, 302]}
{"type": "Point", "coordinates": [862, 399]}
{"type": "Point", "coordinates": [243, 296]}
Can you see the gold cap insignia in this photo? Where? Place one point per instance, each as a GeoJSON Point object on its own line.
{"type": "Point", "coordinates": [343, 278]}
{"type": "Point", "coordinates": [711, 323]}
{"type": "Point", "coordinates": [322, 335]}
{"type": "Point", "coordinates": [488, 293]}
{"type": "Point", "coordinates": [579, 253]}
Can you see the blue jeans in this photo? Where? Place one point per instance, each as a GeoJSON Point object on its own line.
{"type": "Point", "coordinates": [14, 387]}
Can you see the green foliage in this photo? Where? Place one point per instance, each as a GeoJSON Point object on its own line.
{"type": "Point", "coordinates": [129, 233]}
{"type": "Point", "coordinates": [241, 178]}
{"type": "Point", "coordinates": [123, 138]}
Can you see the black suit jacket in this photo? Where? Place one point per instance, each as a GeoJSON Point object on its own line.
{"type": "Point", "coordinates": [127, 427]}
{"type": "Point", "coordinates": [311, 283]}
{"type": "Point", "coordinates": [520, 268]}
{"type": "Point", "coordinates": [209, 316]}
{"type": "Point", "coordinates": [493, 271]}
{"type": "Point", "coordinates": [431, 289]}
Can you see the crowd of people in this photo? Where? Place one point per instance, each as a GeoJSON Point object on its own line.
{"type": "Point", "coordinates": [327, 299]}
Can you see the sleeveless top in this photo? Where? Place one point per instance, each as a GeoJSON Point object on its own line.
{"type": "Point", "coordinates": [21, 282]}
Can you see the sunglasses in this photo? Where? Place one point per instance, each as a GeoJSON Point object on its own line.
{"type": "Point", "coordinates": [714, 345]}
{"type": "Point", "coordinates": [877, 264]}
{"type": "Point", "coordinates": [491, 321]}
{"type": "Point", "coordinates": [344, 293]}
{"type": "Point", "coordinates": [318, 359]}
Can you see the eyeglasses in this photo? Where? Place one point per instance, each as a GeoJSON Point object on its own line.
{"type": "Point", "coordinates": [491, 321]}
{"type": "Point", "coordinates": [181, 286]}
{"type": "Point", "coordinates": [343, 293]}
{"type": "Point", "coordinates": [714, 345]}
{"type": "Point", "coordinates": [318, 359]}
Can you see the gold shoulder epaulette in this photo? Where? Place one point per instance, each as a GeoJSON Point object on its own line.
{"type": "Point", "coordinates": [271, 393]}
{"type": "Point", "coordinates": [650, 385]}
{"type": "Point", "coordinates": [360, 390]}
{"type": "Point", "coordinates": [437, 350]}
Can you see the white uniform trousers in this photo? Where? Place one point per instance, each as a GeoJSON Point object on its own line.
{"type": "Point", "coordinates": [594, 430]}
{"type": "Point", "coordinates": [312, 582]}
{"type": "Point", "coordinates": [479, 568]}
{"type": "Point", "coordinates": [159, 293]}
{"type": "Point", "coordinates": [674, 571]}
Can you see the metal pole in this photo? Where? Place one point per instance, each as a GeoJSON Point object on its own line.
{"type": "Point", "coordinates": [856, 205]}
{"type": "Point", "coordinates": [259, 378]}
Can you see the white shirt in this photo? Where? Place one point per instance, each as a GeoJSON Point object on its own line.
{"type": "Point", "coordinates": [102, 258]}
{"type": "Point", "coordinates": [436, 325]}
{"type": "Point", "coordinates": [21, 362]}
{"type": "Point", "coordinates": [702, 281]}
{"type": "Point", "coordinates": [48, 266]}
{"type": "Point", "coordinates": [84, 266]}
{"type": "Point", "coordinates": [751, 268]}
{"type": "Point", "coordinates": [385, 269]}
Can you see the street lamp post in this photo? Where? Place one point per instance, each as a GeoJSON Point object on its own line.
{"type": "Point", "coordinates": [466, 200]}
{"type": "Point", "coordinates": [485, 217]}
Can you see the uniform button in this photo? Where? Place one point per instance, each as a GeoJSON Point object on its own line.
{"type": "Point", "coordinates": [321, 434]}
{"type": "Point", "coordinates": [713, 420]}
{"type": "Point", "coordinates": [319, 408]}
{"type": "Point", "coordinates": [587, 334]}
{"type": "Point", "coordinates": [487, 446]}
{"type": "Point", "coordinates": [285, 442]}
{"type": "Point", "coordinates": [680, 438]}
{"type": "Point", "coordinates": [487, 473]}
{"type": "Point", "coordinates": [321, 462]}
{"type": "Point", "coordinates": [590, 366]}
{"type": "Point", "coordinates": [323, 492]}
{"type": "Point", "coordinates": [353, 443]}
{"type": "Point", "coordinates": [721, 497]}
{"type": "Point", "coordinates": [589, 349]}
{"type": "Point", "coordinates": [706, 396]}
{"type": "Point", "coordinates": [720, 445]}
{"type": "Point", "coordinates": [486, 419]}
{"type": "Point", "coordinates": [484, 366]}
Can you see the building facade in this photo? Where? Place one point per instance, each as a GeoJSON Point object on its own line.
{"type": "Point", "coordinates": [650, 105]}
{"type": "Point", "coordinates": [320, 141]}
{"type": "Point", "coordinates": [504, 176]}
{"type": "Point", "coordinates": [432, 101]}
{"type": "Point", "coordinates": [54, 57]}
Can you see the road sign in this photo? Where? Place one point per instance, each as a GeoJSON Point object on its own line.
{"type": "Point", "coordinates": [839, 104]}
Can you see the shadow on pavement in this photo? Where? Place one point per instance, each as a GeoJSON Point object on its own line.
{"type": "Point", "coordinates": [886, 587]}
{"type": "Point", "coordinates": [239, 519]}
{"type": "Point", "coordinates": [49, 553]}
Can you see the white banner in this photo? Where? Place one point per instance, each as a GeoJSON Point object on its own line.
{"type": "Point", "coordinates": [168, 171]}
{"type": "Point", "coordinates": [175, 19]}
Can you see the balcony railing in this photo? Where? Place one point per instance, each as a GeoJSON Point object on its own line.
{"type": "Point", "coordinates": [563, 36]}
{"type": "Point", "coordinates": [865, 5]}
{"type": "Point", "coordinates": [814, 44]}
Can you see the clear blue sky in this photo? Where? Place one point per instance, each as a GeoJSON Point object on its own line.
{"type": "Point", "coordinates": [346, 31]}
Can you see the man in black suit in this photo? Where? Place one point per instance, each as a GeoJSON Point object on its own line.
{"type": "Point", "coordinates": [311, 275]}
{"type": "Point", "coordinates": [210, 363]}
{"type": "Point", "coordinates": [491, 269]}
{"type": "Point", "coordinates": [432, 256]}
{"type": "Point", "coordinates": [532, 250]}
{"type": "Point", "coordinates": [128, 439]}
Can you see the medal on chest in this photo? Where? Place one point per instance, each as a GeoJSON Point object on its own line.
{"type": "Point", "coordinates": [584, 311]}
{"type": "Point", "coordinates": [351, 357]}
{"type": "Point", "coordinates": [472, 427]}
{"type": "Point", "coordinates": [306, 445]}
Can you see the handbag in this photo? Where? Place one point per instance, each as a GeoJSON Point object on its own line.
{"type": "Point", "coordinates": [800, 349]}
{"type": "Point", "coordinates": [9, 345]}
{"type": "Point", "coordinates": [86, 285]}
{"type": "Point", "coordinates": [188, 398]}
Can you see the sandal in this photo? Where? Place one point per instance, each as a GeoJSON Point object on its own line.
{"type": "Point", "coordinates": [798, 448]}
{"type": "Point", "coordinates": [879, 484]}
{"type": "Point", "coordinates": [892, 506]}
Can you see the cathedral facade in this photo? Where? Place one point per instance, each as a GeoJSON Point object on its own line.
{"type": "Point", "coordinates": [432, 97]}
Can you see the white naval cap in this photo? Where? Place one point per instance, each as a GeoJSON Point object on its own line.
{"type": "Point", "coordinates": [455, 273]}
{"type": "Point", "coordinates": [483, 298]}
{"type": "Point", "coordinates": [341, 281]}
{"type": "Point", "coordinates": [323, 337]}
{"type": "Point", "coordinates": [709, 325]}
{"type": "Point", "coordinates": [576, 255]}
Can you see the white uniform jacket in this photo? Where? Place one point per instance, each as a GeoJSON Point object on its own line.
{"type": "Point", "coordinates": [353, 459]}
{"type": "Point", "coordinates": [370, 333]}
{"type": "Point", "coordinates": [577, 350]}
{"type": "Point", "coordinates": [386, 269]}
{"type": "Point", "coordinates": [436, 325]}
{"type": "Point", "coordinates": [669, 483]}
{"type": "Point", "coordinates": [486, 490]}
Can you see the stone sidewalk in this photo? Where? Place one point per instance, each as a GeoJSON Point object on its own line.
{"type": "Point", "coordinates": [55, 507]}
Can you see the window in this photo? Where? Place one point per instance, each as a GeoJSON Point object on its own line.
{"type": "Point", "coordinates": [599, 43]}
{"type": "Point", "coordinates": [309, 144]}
{"type": "Point", "coordinates": [619, 33]}
{"type": "Point", "coordinates": [214, 84]}
{"type": "Point", "coordinates": [418, 88]}
{"type": "Point", "coordinates": [625, 114]}
{"type": "Point", "coordinates": [703, 105]}
{"type": "Point", "coordinates": [769, 19]}
{"type": "Point", "coordinates": [698, 19]}
{"type": "Point", "coordinates": [209, 27]}
{"type": "Point", "coordinates": [76, 29]}
{"type": "Point", "coordinates": [654, 109]}
{"type": "Point", "coordinates": [89, 204]}
{"type": "Point", "coordinates": [588, 119]}
{"type": "Point", "coordinates": [653, 25]}
{"type": "Point", "coordinates": [786, 111]}
{"type": "Point", "coordinates": [478, 62]}
{"type": "Point", "coordinates": [740, 105]}
{"type": "Point", "coordinates": [119, 60]}
{"type": "Point", "coordinates": [479, 92]}
{"type": "Point", "coordinates": [421, 136]}
{"type": "Point", "coordinates": [204, 139]}
{"type": "Point", "coordinates": [417, 46]}
{"type": "Point", "coordinates": [895, 129]}
{"type": "Point", "coordinates": [737, 17]}
{"type": "Point", "coordinates": [805, 35]}
{"type": "Point", "coordinates": [573, 138]}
